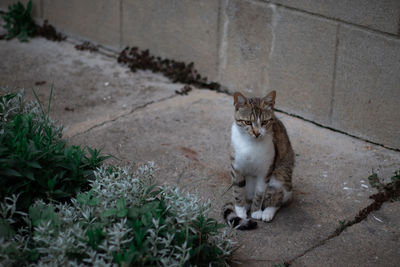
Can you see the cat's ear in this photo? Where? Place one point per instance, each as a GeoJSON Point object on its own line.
{"type": "Point", "coordinates": [269, 100]}
{"type": "Point", "coordinates": [239, 100]}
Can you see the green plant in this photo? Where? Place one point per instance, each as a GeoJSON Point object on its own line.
{"type": "Point", "coordinates": [35, 162]}
{"type": "Point", "coordinates": [377, 182]}
{"type": "Point", "coordinates": [19, 21]}
{"type": "Point", "coordinates": [124, 219]}
{"type": "Point", "coordinates": [343, 224]}
{"type": "Point", "coordinates": [389, 191]}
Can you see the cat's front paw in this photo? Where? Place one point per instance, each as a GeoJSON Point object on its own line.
{"type": "Point", "coordinates": [256, 215]}
{"type": "Point", "coordinates": [241, 212]}
{"type": "Point", "coordinates": [268, 214]}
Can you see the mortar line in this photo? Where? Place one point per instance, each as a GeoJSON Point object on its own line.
{"type": "Point", "coordinates": [41, 6]}
{"type": "Point", "coordinates": [387, 34]}
{"type": "Point", "coordinates": [332, 102]}
{"type": "Point", "coordinates": [223, 24]}
{"type": "Point", "coordinates": [121, 21]}
{"type": "Point", "coordinates": [123, 115]}
{"type": "Point", "coordinates": [219, 38]}
{"type": "Point", "coordinates": [398, 26]}
{"type": "Point", "coordinates": [337, 131]}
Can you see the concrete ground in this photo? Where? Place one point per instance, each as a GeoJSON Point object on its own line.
{"type": "Point", "coordinates": [138, 117]}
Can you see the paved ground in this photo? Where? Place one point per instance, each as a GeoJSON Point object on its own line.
{"type": "Point", "coordinates": [138, 117]}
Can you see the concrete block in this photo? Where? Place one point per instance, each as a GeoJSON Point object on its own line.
{"type": "Point", "coordinates": [36, 6]}
{"type": "Point", "coordinates": [95, 20]}
{"type": "Point", "coordinates": [367, 91]}
{"type": "Point", "coordinates": [379, 15]}
{"type": "Point", "coordinates": [301, 64]}
{"type": "Point", "coordinates": [245, 44]}
{"type": "Point", "coordinates": [181, 30]}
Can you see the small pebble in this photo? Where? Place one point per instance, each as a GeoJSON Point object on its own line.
{"type": "Point", "coordinates": [379, 220]}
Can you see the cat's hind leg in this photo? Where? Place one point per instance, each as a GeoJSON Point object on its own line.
{"type": "Point", "coordinates": [276, 195]}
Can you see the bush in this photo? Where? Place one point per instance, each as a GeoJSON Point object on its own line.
{"type": "Point", "coordinates": [34, 161]}
{"type": "Point", "coordinates": [19, 22]}
{"type": "Point", "coordinates": [123, 219]}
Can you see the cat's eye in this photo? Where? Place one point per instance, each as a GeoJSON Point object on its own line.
{"type": "Point", "coordinates": [247, 122]}
{"type": "Point", "coordinates": [266, 122]}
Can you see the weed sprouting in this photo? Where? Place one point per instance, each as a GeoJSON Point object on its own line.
{"type": "Point", "coordinates": [19, 22]}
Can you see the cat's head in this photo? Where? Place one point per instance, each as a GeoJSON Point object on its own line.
{"type": "Point", "coordinates": [255, 115]}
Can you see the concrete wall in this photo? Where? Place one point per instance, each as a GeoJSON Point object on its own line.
{"type": "Point", "coordinates": [335, 62]}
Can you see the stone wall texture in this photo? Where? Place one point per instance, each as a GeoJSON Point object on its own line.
{"type": "Point", "coordinates": [334, 62]}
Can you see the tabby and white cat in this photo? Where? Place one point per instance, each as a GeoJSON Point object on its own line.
{"type": "Point", "coordinates": [262, 162]}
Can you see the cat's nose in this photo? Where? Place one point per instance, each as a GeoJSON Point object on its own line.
{"type": "Point", "coordinates": [256, 133]}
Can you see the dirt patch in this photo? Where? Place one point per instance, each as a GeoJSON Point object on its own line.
{"type": "Point", "coordinates": [184, 91]}
{"type": "Point", "coordinates": [49, 32]}
{"type": "Point", "coordinates": [189, 153]}
{"type": "Point", "coordinates": [40, 83]}
{"type": "Point", "coordinates": [87, 46]}
{"type": "Point", "coordinates": [178, 72]}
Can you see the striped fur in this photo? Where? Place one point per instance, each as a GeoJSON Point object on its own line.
{"type": "Point", "coordinates": [262, 164]}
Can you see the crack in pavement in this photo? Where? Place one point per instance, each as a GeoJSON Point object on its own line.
{"type": "Point", "coordinates": [389, 192]}
{"type": "Point", "coordinates": [336, 130]}
{"type": "Point", "coordinates": [115, 118]}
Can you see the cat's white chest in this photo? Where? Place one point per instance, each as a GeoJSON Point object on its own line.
{"type": "Point", "coordinates": [253, 156]}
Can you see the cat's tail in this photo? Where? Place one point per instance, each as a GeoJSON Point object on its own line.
{"type": "Point", "coordinates": [231, 218]}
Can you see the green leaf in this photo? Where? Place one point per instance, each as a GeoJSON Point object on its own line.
{"type": "Point", "coordinates": [23, 36]}
{"type": "Point", "coordinates": [122, 213]}
{"type": "Point", "coordinates": [34, 164]}
{"type": "Point", "coordinates": [133, 212]}
{"type": "Point", "coordinates": [96, 235]}
{"type": "Point", "coordinates": [11, 172]}
{"type": "Point", "coordinates": [43, 213]}
{"type": "Point", "coordinates": [146, 219]}
{"type": "Point", "coordinates": [51, 183]}
{"type": "Point", "coordinates": [109, 212]}
{"type": "Point", "coordinates": [6, 230]}
{"type": "Point", "coordinates": [29, 174]}
{"type": "Point", "coordinates": [121, 203]}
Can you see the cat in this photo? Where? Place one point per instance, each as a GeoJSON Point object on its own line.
{"type": "Point", "coordinates": [262, 161]}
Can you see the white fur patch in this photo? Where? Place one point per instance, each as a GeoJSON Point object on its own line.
{"type": "Point", "coordinates": [273, 182]}
{"type": "Point", "coordinates": [269, 213]}
{"type": "Point", "coordinates": [253, 156]}
{"type": "Point", "coordinates": [257, 215]}
{"type": "Point", "coordinates": [241, 212]}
